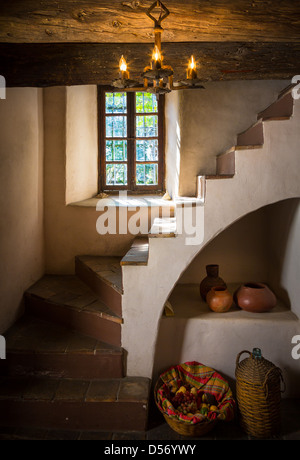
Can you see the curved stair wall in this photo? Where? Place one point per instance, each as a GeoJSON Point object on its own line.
{"type": "Point", "coordinates": [263, 174]}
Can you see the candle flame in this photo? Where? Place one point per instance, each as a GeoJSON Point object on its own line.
{"type": "Point", "coordinates": [156, 55]}
{"type": "Point", "coordinates": [123, 64]}
{"type": "Point", "coordinates": [192, 63]}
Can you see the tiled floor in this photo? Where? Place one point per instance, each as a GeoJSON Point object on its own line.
{"type": "Point", "coordinates": [160, 431]}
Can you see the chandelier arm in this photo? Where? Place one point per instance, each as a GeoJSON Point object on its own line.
{"type": "Point", "coordinates": [164, 13]}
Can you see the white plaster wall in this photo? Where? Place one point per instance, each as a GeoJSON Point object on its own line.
{"type": "Point", "coordinates": [21, 198]}
{"type": "Point", "coordinates": [81, 143]}
{"type": "Point", "coordinates": [173, 142]}
{"type": "Point", "coordinates": [263, 176]}
{"type": "Point", "coordinates": [211, 120]}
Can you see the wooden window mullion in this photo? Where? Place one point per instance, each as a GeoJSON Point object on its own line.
{"type": "Point", "coordinates": [161, 142]}
{"type": "Point", "coordinates": [131, 140]}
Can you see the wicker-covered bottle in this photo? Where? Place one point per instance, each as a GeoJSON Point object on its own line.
{"type": "Point", "coordinates": [258, 395]}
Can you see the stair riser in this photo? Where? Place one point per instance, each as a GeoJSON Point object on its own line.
{"type": "Point", "coordinates": [254, 136]}
{"type": "Point", "coordinates": [281, 109]}
{"type": "Point", "coordinates": [77, 365]}
{"type": "Point", "coordinates": [106, 293]}
{"type": "Point", "coordinates": [108, 416]}
{"type": "Point", "coordinates": [226, 163]}
{"type": "Point", "coordinates": [81, 321]}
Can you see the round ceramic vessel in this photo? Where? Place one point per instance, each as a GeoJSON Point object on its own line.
{"type": "Point", "coordinates": [255, 297]}
{"type": "Point", "coordinates": [219, 299]}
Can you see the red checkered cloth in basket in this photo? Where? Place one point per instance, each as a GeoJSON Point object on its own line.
{"type": "Point", "coordinates": [206, 380]}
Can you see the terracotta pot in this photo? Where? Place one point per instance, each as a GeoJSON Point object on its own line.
{"type": "Point", "coordinates": [219, 299]}
{"type": "Point", "coordinates": [255, 297]}
{"type": "Point", "coordinates": [211, 280]}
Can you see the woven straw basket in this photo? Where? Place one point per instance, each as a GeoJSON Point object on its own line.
{"type": "Point", "coordinates": [258, 395]}
{"type": "Point", "coordinates": [185, 429]}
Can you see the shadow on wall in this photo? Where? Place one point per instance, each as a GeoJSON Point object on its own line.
{"type": "Point", "coordinates": [261, 246]}
{"type": "Point", "coordinates": [283, 221]}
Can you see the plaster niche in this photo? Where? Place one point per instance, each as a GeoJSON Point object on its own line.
{"type": "Point", "coordinates": [262, 246]}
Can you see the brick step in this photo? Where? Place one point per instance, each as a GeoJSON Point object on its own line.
{"type": "Point", "coordinates": [66, 300]}
{"type": "Point", "coordinates": [138, 253]}
{"type": "Point", "coordinates": [37, 347]}
{"type": "Point", "coordinates": [103, 275]}
{"type": "Point", "coordinates": [75, 404]}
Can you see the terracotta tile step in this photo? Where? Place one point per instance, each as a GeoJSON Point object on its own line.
{"type": "Point", "coordinates": [103, 275]}
{"type": "Point", "coordinates": [66, 300]}
{"type": "Point", "coordinates": [114, 404]}
{"type": "Point", "coordinates": [70, 291]}
{"type": "Point", "coordinates": [37, 347]}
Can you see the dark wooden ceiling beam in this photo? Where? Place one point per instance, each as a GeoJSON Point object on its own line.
{"type": "Point", "coordinates": [42, 65]}
{"type": "Point", "coordinates": [117, 21]}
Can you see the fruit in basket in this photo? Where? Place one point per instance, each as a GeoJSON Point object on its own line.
{"type": "Point", "coordinates": [204, 410]}
{"type": "Point", "coordinates": [182, 389]}
{"type": "Point", "coordinates": [185, 402]}
{"type": "Point", "coordinates": [213, 408]}
{"type": "Point", "coordinates": [194, 391]}
{"type": "Point", "coordinates": [208, 398]}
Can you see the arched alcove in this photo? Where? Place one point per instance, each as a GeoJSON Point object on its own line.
{"type": "Point", "coordinates": [262, 246]}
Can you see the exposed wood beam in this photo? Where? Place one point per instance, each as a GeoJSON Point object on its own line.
{"type": "Point", "coordinates": [117, 21]}
{"type": "Point", "coordinates": [74, 64]}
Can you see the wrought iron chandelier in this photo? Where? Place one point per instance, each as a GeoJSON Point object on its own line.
{"type": "Point", "coordinates": [157, 77]}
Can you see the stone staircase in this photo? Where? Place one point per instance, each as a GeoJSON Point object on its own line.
{"type": "Point", "coordinates": [65, 367]}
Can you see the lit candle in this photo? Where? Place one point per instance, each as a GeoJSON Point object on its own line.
{"type": "Point", "coordinates": [192, 69]}
{"type": "Point", "coordinates": [124, 74]}
{"type": "Point", "coordinates": [156, 58]}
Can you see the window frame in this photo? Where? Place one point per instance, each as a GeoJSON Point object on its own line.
{"type": "Point", "coordinates": [131, 139]}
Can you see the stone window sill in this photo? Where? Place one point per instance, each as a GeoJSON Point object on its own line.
{"type": "Point", "coordinates": [145, 201]}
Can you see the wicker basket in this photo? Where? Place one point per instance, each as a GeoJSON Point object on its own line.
{"type": "Point", "coordinates": [185, 429]}
{"type": "Point", "coordinates": [258, 395]}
